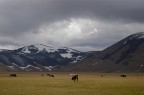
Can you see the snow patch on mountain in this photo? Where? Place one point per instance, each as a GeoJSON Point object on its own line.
{"type": "Point", "coordinates": [29, 67]}
{"type": "Point", "coordinates": [13, 66]}
{"type": "Point", "coordinates": [78, 58]}
{"type": "Point", "coordinates": [38, 48]}
{"type": "Point", "coordinates": [26, 50]}
{"type": "Point", "coordinates": [66, 55]}
{"type": "Point", "coordinates": [48, 67]}
{"type": "Point", "coordinates": [42, 47]}
{"type": "Point", "coordinates": [139, 35]}
{"type": "Point", "coordinates": [69, 52]}
{"type": "Point", "coordinates": [136, 36]}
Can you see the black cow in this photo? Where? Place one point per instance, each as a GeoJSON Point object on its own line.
{"type": "Point", "coordinates": [13, 75]}
{"type": "Point", "coordinates": [50, 75]}
{"type": "Point", "coordinates": [75, 77]}
{"type": "Point", "coordinates": [123, 75]}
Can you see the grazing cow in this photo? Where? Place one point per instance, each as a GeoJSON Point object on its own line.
{"type": "Point", "coordinates": [50, 75]}
{"type": "Point", "coordinates": [101, 75]}
{"type": "Point", "coordinates": [123, 75]}
{"type": "Point", "coordinates": [75, 77]}
{"type": "Point", "coordinates": [13, 75]}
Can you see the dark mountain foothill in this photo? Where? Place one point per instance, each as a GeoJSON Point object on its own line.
{"type": "Point", "coordinates": [126, 55]}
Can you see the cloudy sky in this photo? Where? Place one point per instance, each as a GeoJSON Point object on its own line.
{"type": "Point", "coordinates": [85, 25]}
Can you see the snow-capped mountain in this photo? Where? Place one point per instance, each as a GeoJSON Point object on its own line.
{"type": "Point", "coordinates": [63, 51]}
{"type": "Point", "coordinates": [137, 36]}
{"type": "Point", "coordinates": [37, 48]}
{"type": "Point", "coordinates": [40, 57]}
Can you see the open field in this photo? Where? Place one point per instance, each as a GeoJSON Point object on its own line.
{"type": "Point", "coordinates": [61, 84]}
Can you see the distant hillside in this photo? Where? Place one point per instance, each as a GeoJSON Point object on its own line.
{"type": "Point", "coordinates": [39, 58]}
{"type": "Point", "coordinates": [126, 55]}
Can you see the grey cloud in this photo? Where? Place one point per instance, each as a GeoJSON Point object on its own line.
{"type": "Point", "coordinates": [24, 15]}
{"type": "Point", "coordinates": [4, 42]}
{"type": "Point", "coordinates": [20, 19]}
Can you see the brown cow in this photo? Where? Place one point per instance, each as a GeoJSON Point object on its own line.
{"type": "Point", "coordinates": [123, 75]}
{"type": "Point", "coordinates": [75, 77]}
{"type": "Point", "coordinates": [13, 75]}
{"type": "Point", "coordinates": [50, 75]}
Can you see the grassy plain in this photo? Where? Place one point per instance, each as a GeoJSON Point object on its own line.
{"type": "Point", "coordinates": [61, 84]}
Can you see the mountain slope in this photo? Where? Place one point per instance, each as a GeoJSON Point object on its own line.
{"type": "Point", "coordinates": [39, 57]}
{"type": "Point", "coordinates": [125, 56]}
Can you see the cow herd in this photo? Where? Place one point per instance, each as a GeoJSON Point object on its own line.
{"type": "Point", "coordinates": [74, 77]}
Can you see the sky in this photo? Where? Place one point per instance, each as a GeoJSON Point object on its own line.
{"type": "Point", "coordinates": [85, 25]}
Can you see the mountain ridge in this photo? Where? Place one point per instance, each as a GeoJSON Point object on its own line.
{"type": "Point", "coordinates": [39, 57]}
{"type": "Point", "coordinates": [124, 56]}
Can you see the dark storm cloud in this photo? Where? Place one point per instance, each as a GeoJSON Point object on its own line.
{"type": "Point", "coordinates": [24, 15]}
{"type": "Point", "coordinates": [21, 20]}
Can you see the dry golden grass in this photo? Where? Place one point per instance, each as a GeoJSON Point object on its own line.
{"type": "Point", "coordinates": [61, 84]}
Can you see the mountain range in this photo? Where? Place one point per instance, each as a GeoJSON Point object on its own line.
{"type": "Point", "coordinates": [39, 57]}
{"type": "Point", "coordinates": [126, 55]}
